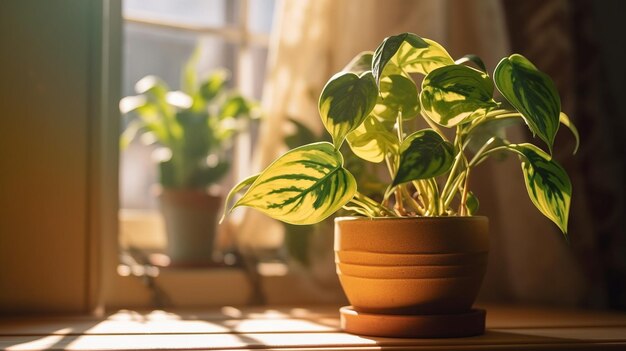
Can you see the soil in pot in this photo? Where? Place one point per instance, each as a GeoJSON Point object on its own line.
{"type": "Point", "coordinates": [406, 269]}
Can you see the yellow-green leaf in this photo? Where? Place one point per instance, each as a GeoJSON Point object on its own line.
{"type": "Point", "coordinates": [236, 189]}
{"type": "Point", "coordinates": [532, 93]}
{"type": "Point", "coordinates": [408, 53]}
{"type": "Point", "coordinates": [398, 94]}
{"type": "Point", "coordinates": [547, 183]}
{"type": "Point", "coordinates": [456, 94]}
{"type": "Point", "coordinates": [423, 154]}
{"type": "Point", "coordinates": [362, 62]}
{"type": "Point", "coordinates": [304, 186]}
{"type": "Point", "coordinates": [345, 102]}
{"type": "Point", "coordinates": [373, 139]}
{"type": "Point", "coordinates": [563, 118]}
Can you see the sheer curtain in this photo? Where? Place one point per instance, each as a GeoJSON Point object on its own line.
{"type": "Point", "coordinates": [313, 39]}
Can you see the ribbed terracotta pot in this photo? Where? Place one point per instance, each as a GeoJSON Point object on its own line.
{"type": "Point", "coordinates": [190, 222]}
{"type": "Point", "coordinates": [412, 277]}
{"type": "Point", "coordinates": [411, 266]}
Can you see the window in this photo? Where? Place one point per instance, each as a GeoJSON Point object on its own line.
{"type": "Point", "coordinates": [159, 37]}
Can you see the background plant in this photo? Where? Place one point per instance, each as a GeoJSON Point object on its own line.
{"type": "Point", "coordinates": [375, 105]}
{"type": "Point", "coordinates": [194, 127]}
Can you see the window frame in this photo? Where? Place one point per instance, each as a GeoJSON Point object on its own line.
{"type": "Point", "coordinates": [142, 291]}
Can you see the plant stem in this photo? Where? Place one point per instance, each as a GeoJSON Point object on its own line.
{"type": "Point", "coordinates": [435, 189]}
{"type": "Point", "coordinates": [451, 176]}
{"type": "Point", "coordinates": [421, 190]}
{"type": "Point", "coordinates": [479, 158]}
{"type": "Point", "coordinates": [454, 188]}
{"type": "Point", "coordinates": [463, 209]}
{"type": "Point", "coordinates": [411, 201]}
{"type": "Point", "coordinates": [399, 207]}
{"type": "Point", "coordinates": [373, 204]}
{"type": "Point", "coordinates": [492, 116]}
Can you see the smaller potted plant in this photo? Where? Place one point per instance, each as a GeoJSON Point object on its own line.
{"type": "Point", "coordinates": [194, 130]}
{"type": "Point", "coordinates": [412, 259]}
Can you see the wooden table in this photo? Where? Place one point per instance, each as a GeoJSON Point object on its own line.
{"type": "Point", "coordinates": [299, 328]}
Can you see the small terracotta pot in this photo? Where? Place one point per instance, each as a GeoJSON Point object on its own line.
{"type": "Point", "coordinates": [411, 266]}
{"type": "Point", "coordinates": [190, 221]}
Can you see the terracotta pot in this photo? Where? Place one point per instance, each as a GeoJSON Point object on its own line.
{"type": "Point", "coordinates": [191, 223]}
{"type": "Point", "coordinates": [411, 266]}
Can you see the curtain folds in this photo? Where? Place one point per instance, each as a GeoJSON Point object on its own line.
{"type": "Point", "coordinates": [313, 39]}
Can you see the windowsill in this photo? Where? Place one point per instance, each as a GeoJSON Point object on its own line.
{"type": "Point", "coordinates": [314, 328]}
{"type": "Point", "coordinates": [207, 287]}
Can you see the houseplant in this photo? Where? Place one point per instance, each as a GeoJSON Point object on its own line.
{"type": "Point", "coordinates": [412, 263]}
{"type": "Point", "coordinates": [194, 130]}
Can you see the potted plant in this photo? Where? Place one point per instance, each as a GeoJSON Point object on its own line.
{"type": "Point", "coordinates": [412, 259]}
{"type": "Point", "coordinates": [194, 130]}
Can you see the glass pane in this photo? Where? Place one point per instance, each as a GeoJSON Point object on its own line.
{"type": "Point", "coordinates": [161, 52]}
{"type": "Point", "coordinates": [259, 62]}
{"type": "Point", "coordinates": [215, 13]}
{"type": "Point", "coordinates": [260, 15]}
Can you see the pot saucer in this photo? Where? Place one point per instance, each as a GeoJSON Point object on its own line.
{"type": "Point", "coordinates": [413, 326]}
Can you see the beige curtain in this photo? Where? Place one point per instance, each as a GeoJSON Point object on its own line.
{"type": "Point", "coordinates": [313, 39]}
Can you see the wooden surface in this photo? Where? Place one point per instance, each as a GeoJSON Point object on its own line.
{"type": "Point", "coordinates": [314, 328]}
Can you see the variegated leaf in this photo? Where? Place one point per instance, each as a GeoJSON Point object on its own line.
{"type": "Point", "coordinates": [473, 59]}
{"type": "Point", "coordinates": [304, 186]}
{"type": "Point", "coordinates": [398, 94]}
{"type": "Point", "coordinates": [472, 204]}
{"type": "Point", "coordinates": [235, 190]}
{"type": "Point", "coordinates": [360, 63]}
{"type": "Point", "coordinates": [532, 93]}
{"type": "Point", "coordinates": [408, 53]}
{"type": "Point", "coordinates": [456, 94]}
{"type": "Point", "coordinates": [563, 118]}
{"type": "Point", "coordinates": [373, 139]}
{"type": "Point", "coordinates": [423, 154]}
{"type": "Point", "coordinates": [345, 102]}
{"type": "Point", "coordinates": [547, 183]}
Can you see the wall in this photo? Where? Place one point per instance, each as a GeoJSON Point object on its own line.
{"type": "Point", "coordinates": [52, 105]}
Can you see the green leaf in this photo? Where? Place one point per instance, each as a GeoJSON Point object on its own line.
{"type": "Point", "coordinates": [474, 59]}
{"type": "Point", "coordinates": [235, 106]}
{"type": "Point", "coordinates": [360, 63]}
{"type": "Point", "coordinates": [408, 53]}
{"type": "Point", "coordinates": [189, 82]}
{"type": "Point", "coordinates": [532, 93]}
{"type": "Point", "coordinates": [397, 94]}
{"type": "Point", "coordinates": [214, 84]}
{"type": "Point", "coordinates": [472, 204]}
{"type": "Point", "coordinates": [153, 87]}
{"type": "Point", "coordinates": [423, 154]}
{"type": "Point", "coordinates": [547, 183]}
{"type": "Point", "coordinates": [196, 140]}
{"type": "Point", "coordinates": [373, 139]}
{"type": "Point", "coordinates": [129, 133]}
{"type": "Point", "coordinates": [345, 102]}
{"type": "Point", "coordinates": [235, 190]}
{"type": "Point", "coordinates": [563, 118]}
{"type": "Point", "coordinates": [304, 186]}
{"type": "Point", "coordinates": [456, 94]}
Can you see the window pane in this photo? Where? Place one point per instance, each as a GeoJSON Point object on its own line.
{"type": "Point", "coordinates": [161, 52]}
{"type": "Point", "coordinates": [215, 13]}
{"type": "Point", "coordinates": [260, 14]}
